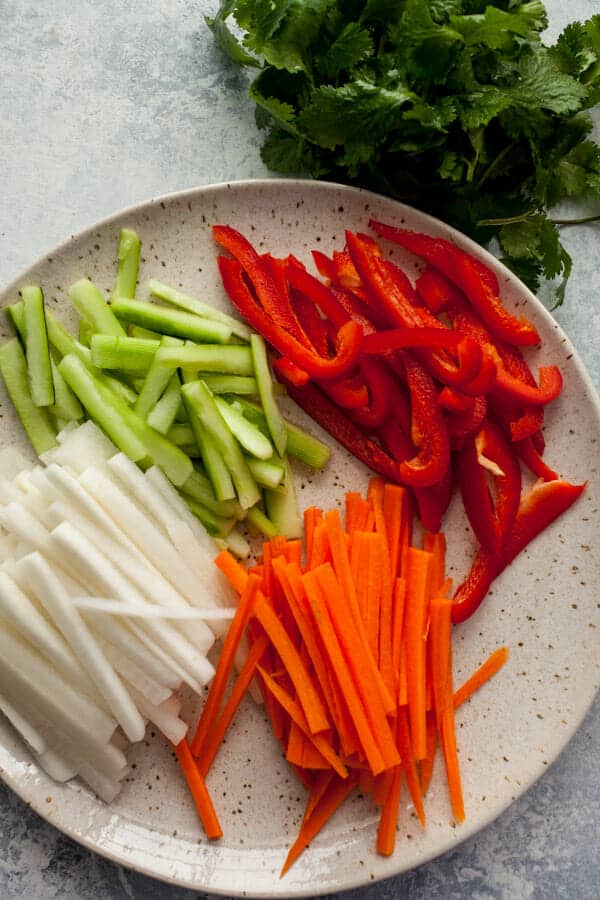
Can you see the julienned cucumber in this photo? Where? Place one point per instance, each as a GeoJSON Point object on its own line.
{"type": "Point", "coordinates": [167, 385]}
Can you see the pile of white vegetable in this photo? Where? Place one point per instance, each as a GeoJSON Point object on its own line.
{"type": "Point", "coordinates": [109, 602]}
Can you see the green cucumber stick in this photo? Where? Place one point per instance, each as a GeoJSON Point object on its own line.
{"type": "Point", "coordinates": [199, 488]}
{"type": "Point", "coordinates": [103, 406]}
{"type": "Point", "coordinates": [181, 434]}
{"type": "Point", "coordinates": [91, 305]}
{"type": "Point", "coordinates": [231, 359]}
{"type": "Point", "coordinates": [230, 384]}
{"type": "Point", "coordinates": [128, 262]}
{"type": "Point", "coordinates": [37, 350]}
{"type": "Point", "coordinates": [15, 313]}
{"type": "Point", "coordinates": [282, 506]}
{"type": "Point", "coordinates": [266, 472]}
{"type": "Point", "coordinates": [66, 405]}
{"type": "Point", "coordinates": [264, 381]}
{"type": "Point", "coordinates": [86, 332]}
{"type": "Point", "coordinates": [35, 419]}
{"type": "Point", "coordinates": [203, 404]}
{"type": "Point", "coordinates": [162, 416]}
{"type": "Point", "coordinates": [300, 444]}
{"type": "Point", "coordinates": [171, 321]}
{"type": "Point", "coordinates": [64, 342]}
{"type": "Point", "coordinates": [237, 544]}
{"type": "Point", "coordinates": [256, 518]}
{"type": "Point", "coordinates": [212, 458]}
{"type": "Point", "coordinates": [190, 304]}
{"type": "Point", "coordinates": [216, 525]}
{"type": "Point", "coordinates": [155, 383]}
{"type": "Point", "coordinates": [124, 354]}
{"type": "Point", "coordinates": [250, 437]}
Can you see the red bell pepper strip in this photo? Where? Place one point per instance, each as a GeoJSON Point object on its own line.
{"type": "Point", "coordinates": [436, 291]}
{"type": "Point", "coordinates": [484, 381]}
{"type": "Point", "coordinates": [325, 266]}
{"type": "Point", "coordinates": [462, 425]}
{"type": "Point", "coordinates": [348, 339]}
{"type": "Point", "coordinates": [455, 402]}
{"type": "Point", "coordinates": [381, 390]}
{"type": "Point", "coordinates": [538, 508]}
{"type": "Point", "coordinates": [528, 453]}
{"type": "Point", "coordinates": [406, 338]}
{"type": "Point", "coordinates": [313, 325]}
{"type": "Point", "coordinates": [549, 389]}
{"type": "Point", "coordinates": [466, 273]}
{"type": "Point", "coordinates": [349, 393]}
{"type": "Point", "coordinates": [340, 427]}
{"type": "Point", "coordinates": [539, 441]}
{"type": "Point", "coordinates": [429, 431]}
{"type": "Point", "coordinates": [290, 371]}
{"type": "Point", "coordinates": [488, 455]}
{"type": "Point", "coordinates": [318, 293]}
{"type": "Point", "coordinates": [286, 315]}
{"type": "Point", "coordinates": [432, 502]}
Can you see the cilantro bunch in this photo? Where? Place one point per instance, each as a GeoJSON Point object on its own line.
{"type": "Point", "coordinates": [453, 106]}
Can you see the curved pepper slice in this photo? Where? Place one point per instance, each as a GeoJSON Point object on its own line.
{"type": "Point", "coordinates": [381, 390]}
{"type": "Point", "coordinates": [462, 425]}
{"type": "Point", "coordinates": [539, 507]}
{"type": "Point", "coordinates": [349, 393]}
{"type": "Point", "coordinates": [489, 455]}
{"type": "Point", "coordinates": [340, 427]}
{"type": "Point", "coordinates": [470, 276]}
{"type": "Point", "coordinates": [533, 460]}
{"type": "Point", "coordinates": [348, 342]}
{"type": "Point", "coordinates": [429, 431]}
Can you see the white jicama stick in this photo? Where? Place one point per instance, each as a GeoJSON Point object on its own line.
{"type": "Point", "coordinates": [142, 532]}
{"type": "Point", "coordinates": [68, 739]}
{"type": "Point", "coordinates": [106, 788]}
{"type": "Point", "coordinates": [115, 608]}
{"type": "Point", "coordinates": [209, 575]}
{"type": "Point", "coordinates": [16, 519]}
{"type": "Point", "coordinates": [9, 493]}
{"type": "Point", "coordinates": [8, 545]}
{"type": "Point", "coordinates": [56, 766]}
{"type": "Point", "coordinates": [163, 655]}
{"type": "Point", "coordinates": [173, 728]}
{"type": "Point", "coordinates": [84, 446]}
{"type": "Point", "coordinates": [73, 547]}
{"type": "Point", "coordinates": [176, 528]}
{"type": "Point", "coordinates": [29, 734]}
{"type": "Point", "coordinates": [147, 579]}
{"type": "Point", "coordinates": [68, 487]}
{"type": "Point", "coordinates": [18, 609]}
{"type": "Point", "coordinates": [51, 593]}
{"type": "Point", "coordinates": [131, 648]}
{"type": "Point", "coordinates": [23, 665]}
{"type": "Point", "coordinates": [12, 462]}
{"type": "Point", "coordinates": [153, 691]}
{"type": "Point", "coordinates": [66, 430]}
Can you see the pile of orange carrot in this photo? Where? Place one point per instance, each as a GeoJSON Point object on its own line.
{"type": "Point", "coordinates": [350, 642]}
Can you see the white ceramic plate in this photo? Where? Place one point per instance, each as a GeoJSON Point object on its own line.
{"type": "Point", "coordinates": [544, 608]}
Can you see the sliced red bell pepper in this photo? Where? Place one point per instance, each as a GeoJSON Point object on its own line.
{"type": "Point", "coordinates": [429, 432]}
{"type": "Point", "coordinates": [381, 390]}
{"type": "Point", "coordinates": [489, 458]}
{"type": "Point", "coordinates": [432, 502]}
{"type": "Point", "coordinates": [348, 342]}
{"type": "Point", "coordinates": [529, 454]}
{"type": "Point", "coordinates": [318, 293]}
{"type": "Point", "coordinates": [461, 426]}
{"type": "Point", "coordinates": [470, 276]}
{"type": "Point", "coordinates": [550, 386]}
{"type": "Point", "coordinates": [454, 401]}
{"type": "Point", "coordinates": [313, 325]}
{"type": "Point", "coordinates": [290, 371]}
{"type": "Point", "coordinates": [340, 427]}
{"type": "Point", "coordinates": [286, 315]}
{"type": "Point", "coordinates": [349, 393]}
{"type": "Point", "coordinates": [436, 291]}
{"type": "Point", "coordinates": [538, 508]}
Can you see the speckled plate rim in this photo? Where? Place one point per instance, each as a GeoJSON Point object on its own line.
{"type": "Point", "coordinates": [36, 802]}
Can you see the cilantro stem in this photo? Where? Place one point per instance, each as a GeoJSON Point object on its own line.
{"type": "Point", "coordinates": [495, 163]}
{"type": "Point", "coordinates": [509, 220]}
{"type": "Point", "coordinates": [583, 221]}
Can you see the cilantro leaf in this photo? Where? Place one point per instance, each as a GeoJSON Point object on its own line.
{"type": "Point", "coordinates": [353, 45]}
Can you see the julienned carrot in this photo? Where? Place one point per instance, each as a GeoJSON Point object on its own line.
{"type": "Point", "coordinates": [307, 695]}
{"type": "Point", "coordinates": [219, 730]}
{"type": "Point", "coordinates": [418, 576]}
{"type": "Point", "coordinates": [333, 797]}
{"type": "Point", "coordinates": [232, 569]}
{"type": "Point", "coordinates": [409, 763]}
{"type": "Point", "coordinates": [352, 652]}
{"type": "Point", "coordinates": [198, 790]}
{"type": "Point", "coordinates": [341, 565]}
{"type": "Point", "coordinates": [296, 713]}
{"type": "Point", "coordinates": [394, 497]}
{"type": "Point", "coordinates": [344, 678]}
{"type": "Point", "coordinates": [486, 671]}
{"type": "Point", "coordinates": [230, 645]}
{"type": "Point", "coordinates": [350, 643]}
